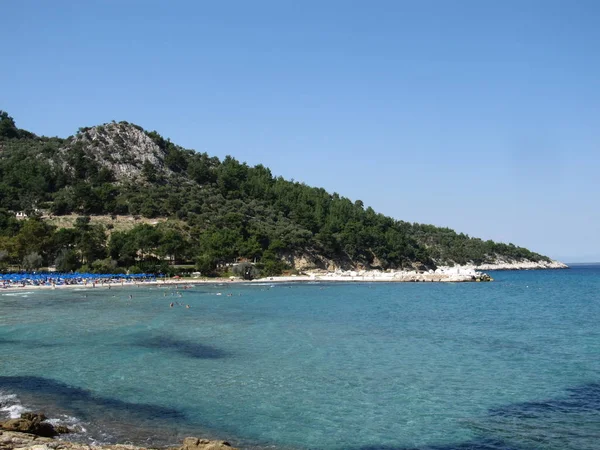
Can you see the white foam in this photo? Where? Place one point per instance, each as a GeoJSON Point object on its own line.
{"type": "Point", "coordinates": [11, 406]}
{"type": "Point", "coordinates": [69, 421]}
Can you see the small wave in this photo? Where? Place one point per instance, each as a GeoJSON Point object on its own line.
{"type": "Point", "coordinates": [71, 422]}
{"type": "Point", "coordinates": [10, 406]}
{"type": "Point", "coordinates": [17, 294]}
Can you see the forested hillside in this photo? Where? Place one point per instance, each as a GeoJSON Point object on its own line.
{"type": "Point", "coordinates": [219, 212]}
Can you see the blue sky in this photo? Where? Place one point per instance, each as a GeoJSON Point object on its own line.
{"type": "Point", "coordinates": [478, 115]}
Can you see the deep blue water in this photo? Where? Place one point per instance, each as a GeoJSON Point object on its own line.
{"type": "Point", "coordinates": [513, 364]}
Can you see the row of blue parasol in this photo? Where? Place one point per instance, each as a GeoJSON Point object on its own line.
{"type": "Point", "coordinates": [69, 278]}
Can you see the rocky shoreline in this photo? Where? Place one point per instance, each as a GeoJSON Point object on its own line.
{"type": "Point", "coordinates": [442, 274]}
{"type": "Point", "coordinates": [521, 265]}
{"type": "Point", "coordinates": [454, 274]}
{"type": "Point", "coordinates": [13, 440]}
{"type": "Point", "coordinates": [32, 432]}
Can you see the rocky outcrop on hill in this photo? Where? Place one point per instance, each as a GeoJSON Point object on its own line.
{"type": "Point", "coordinates": [120, 147]}
{"type": "Point", "coordinates": [310, 259]}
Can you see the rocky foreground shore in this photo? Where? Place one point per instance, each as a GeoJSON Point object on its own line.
{"type": "Point", "coordinates": [12, 440]}
{"type": "Point", "coordinates": [32, 432]}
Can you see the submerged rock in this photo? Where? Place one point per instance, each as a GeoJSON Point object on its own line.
{"type": "Point", "coordinates": [192, 443]}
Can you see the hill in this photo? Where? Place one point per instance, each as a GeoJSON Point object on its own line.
{"type": "Point", "coordinates": [188, 207]}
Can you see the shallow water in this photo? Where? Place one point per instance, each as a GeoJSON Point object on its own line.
{"type": "Point", "coordinates": [513, 364]}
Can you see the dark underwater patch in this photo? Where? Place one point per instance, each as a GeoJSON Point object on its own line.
{"type": "Point", "coordinates": [471, 445]}
{"type": "Point", "coordinates": [185, 348]}
{"type": "Point", "coordinates": [578, 399]}
{"type": "Point", "coordinates": [571, 422]}
{"type": "Point", "coordinates": [81, 401]}
{"type": "Point", "coordinates": [28, 344]}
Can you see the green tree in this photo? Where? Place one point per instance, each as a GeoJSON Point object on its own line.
{"type": "Point", "coordinates": [206, 264]}
{"type": "Point", "coordinates": [35, 236]}
{"type": "Point", "coordinates": [32, 261]}
{"type": "Point", "coordinates": [171, 245]}
{"type": "Point", "coordinates": [90, 240]}
{"type": "Point", "coordinates": [149, 172]}
{"type": "Point", "coordinates": [246, 270]}
{"type": "Point", "coordinates": [67, 261]}
{"type": "Point", "coordinates": [3, 259]}
{"type": "Point", "coordinates": [8, 128]}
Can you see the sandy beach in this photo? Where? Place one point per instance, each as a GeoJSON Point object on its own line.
{"type": "Point", "coordinates": [454, 274]}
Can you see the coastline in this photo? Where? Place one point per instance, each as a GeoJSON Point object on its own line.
{"type": "Point", "coordinates": [443, 274]}
{"type": "Point", "coordinates": [178, 282]}
{"type": "Point", "coordinates": [453, 275]}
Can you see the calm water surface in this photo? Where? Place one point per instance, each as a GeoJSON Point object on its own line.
{"type": "Point", "coordinates": [513, 364]}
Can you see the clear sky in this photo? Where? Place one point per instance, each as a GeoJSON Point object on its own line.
{"type": "Point", "coordinates": [483, 116]}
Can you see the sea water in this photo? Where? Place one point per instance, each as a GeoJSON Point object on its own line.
{"type": "Point", "coordinates": [512, 364]}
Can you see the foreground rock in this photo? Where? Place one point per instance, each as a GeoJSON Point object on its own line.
{"type": "Point", "coordinates": [34, 424]}
{"type": "Point", "coordinates": [193, 443]}
{"type": "Point", "coordinates": [11, 440]}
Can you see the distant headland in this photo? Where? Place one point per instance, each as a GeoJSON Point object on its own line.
{"type": "Point", "coordinates": [115, 198]}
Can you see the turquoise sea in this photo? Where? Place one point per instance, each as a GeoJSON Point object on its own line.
{"type": "Point", "coordinates": [508, 365]}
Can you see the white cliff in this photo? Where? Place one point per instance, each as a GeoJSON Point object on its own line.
{"type": "Point", "coordinates": [520, 265]}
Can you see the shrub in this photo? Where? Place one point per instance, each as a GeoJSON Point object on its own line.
{"type": "Point", "coordinates": [246, 270]}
